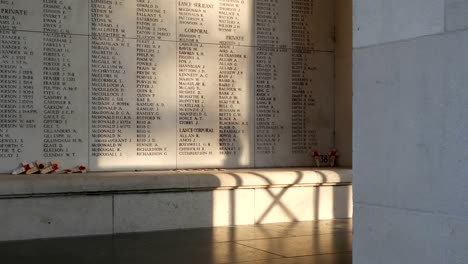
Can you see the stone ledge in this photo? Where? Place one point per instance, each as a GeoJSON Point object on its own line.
{"type": "Point", "coordinates": [12, 186]}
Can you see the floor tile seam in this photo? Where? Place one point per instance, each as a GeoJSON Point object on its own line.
{"type": "Point", "coordinates": [114, 238]}
{"type": "Point", "coordinates": [284, 237]}
{"type": "Point", "coordinates": [316, 233]}
{"type": "Point", "coordinates": [318, 222]}
{"type": "Point", "coordinates": [272, 238]}
{"type": "Point", "coordinates": [270, 231]}
{"type": "Point", "coordinates": [286, 258]}
{"type": "Point", "coordinates": [321, 254]}
{"type": "Point", "coordinates": [249, 261]}
{"type": "Point", "coordinates": [243, 240]}
{"type": "Point", "coordinates": [304, 225]}
{"type": "Point", "coordinates": [253, 239]}
{"type": "Point", "coordinates": [262, 250]}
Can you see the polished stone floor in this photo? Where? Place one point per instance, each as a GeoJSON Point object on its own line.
{"type": "Point", "coordinates": [318, 242]}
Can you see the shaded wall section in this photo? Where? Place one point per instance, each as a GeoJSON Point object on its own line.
{"type": "Point", "coordinates": [343, 81]}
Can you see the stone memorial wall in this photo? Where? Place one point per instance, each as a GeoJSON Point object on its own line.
{"type": "Point", "coordinates": [164, 84]}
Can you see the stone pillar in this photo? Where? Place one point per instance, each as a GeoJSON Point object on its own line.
{"type": "Point", "coordinates": [410, 136]}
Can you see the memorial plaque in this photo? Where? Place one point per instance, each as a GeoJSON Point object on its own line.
{"type": "Point", "coordinates": [273, 106]}
{"type": "Point", "coordinates": [214, 21]}
{"type": "Point", "coordinates": [132, 110]}
{"type": "Point", "coordinates": [214, 103]}
{"type": "Point", "coordinates": [64, 16]}
{"type": "Point", "coordinates": [273, 23]}
{"type": "Point", "coordinates": [43, 83]}
{"type": "Point", "coordinates": [65, 104]}
{"type": "Point", "coordinates": [294, 121]}
{"type": "Point", "coordinates": [312, 25]}
{"type": "Point", "coordinates": [156, 19]}
{"type": "Point", "coordinates": [157, 84]}
{"type": "Point", "coordinates": [133, 19]}
{"type": "Point", "coordinates": [312, 103]}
